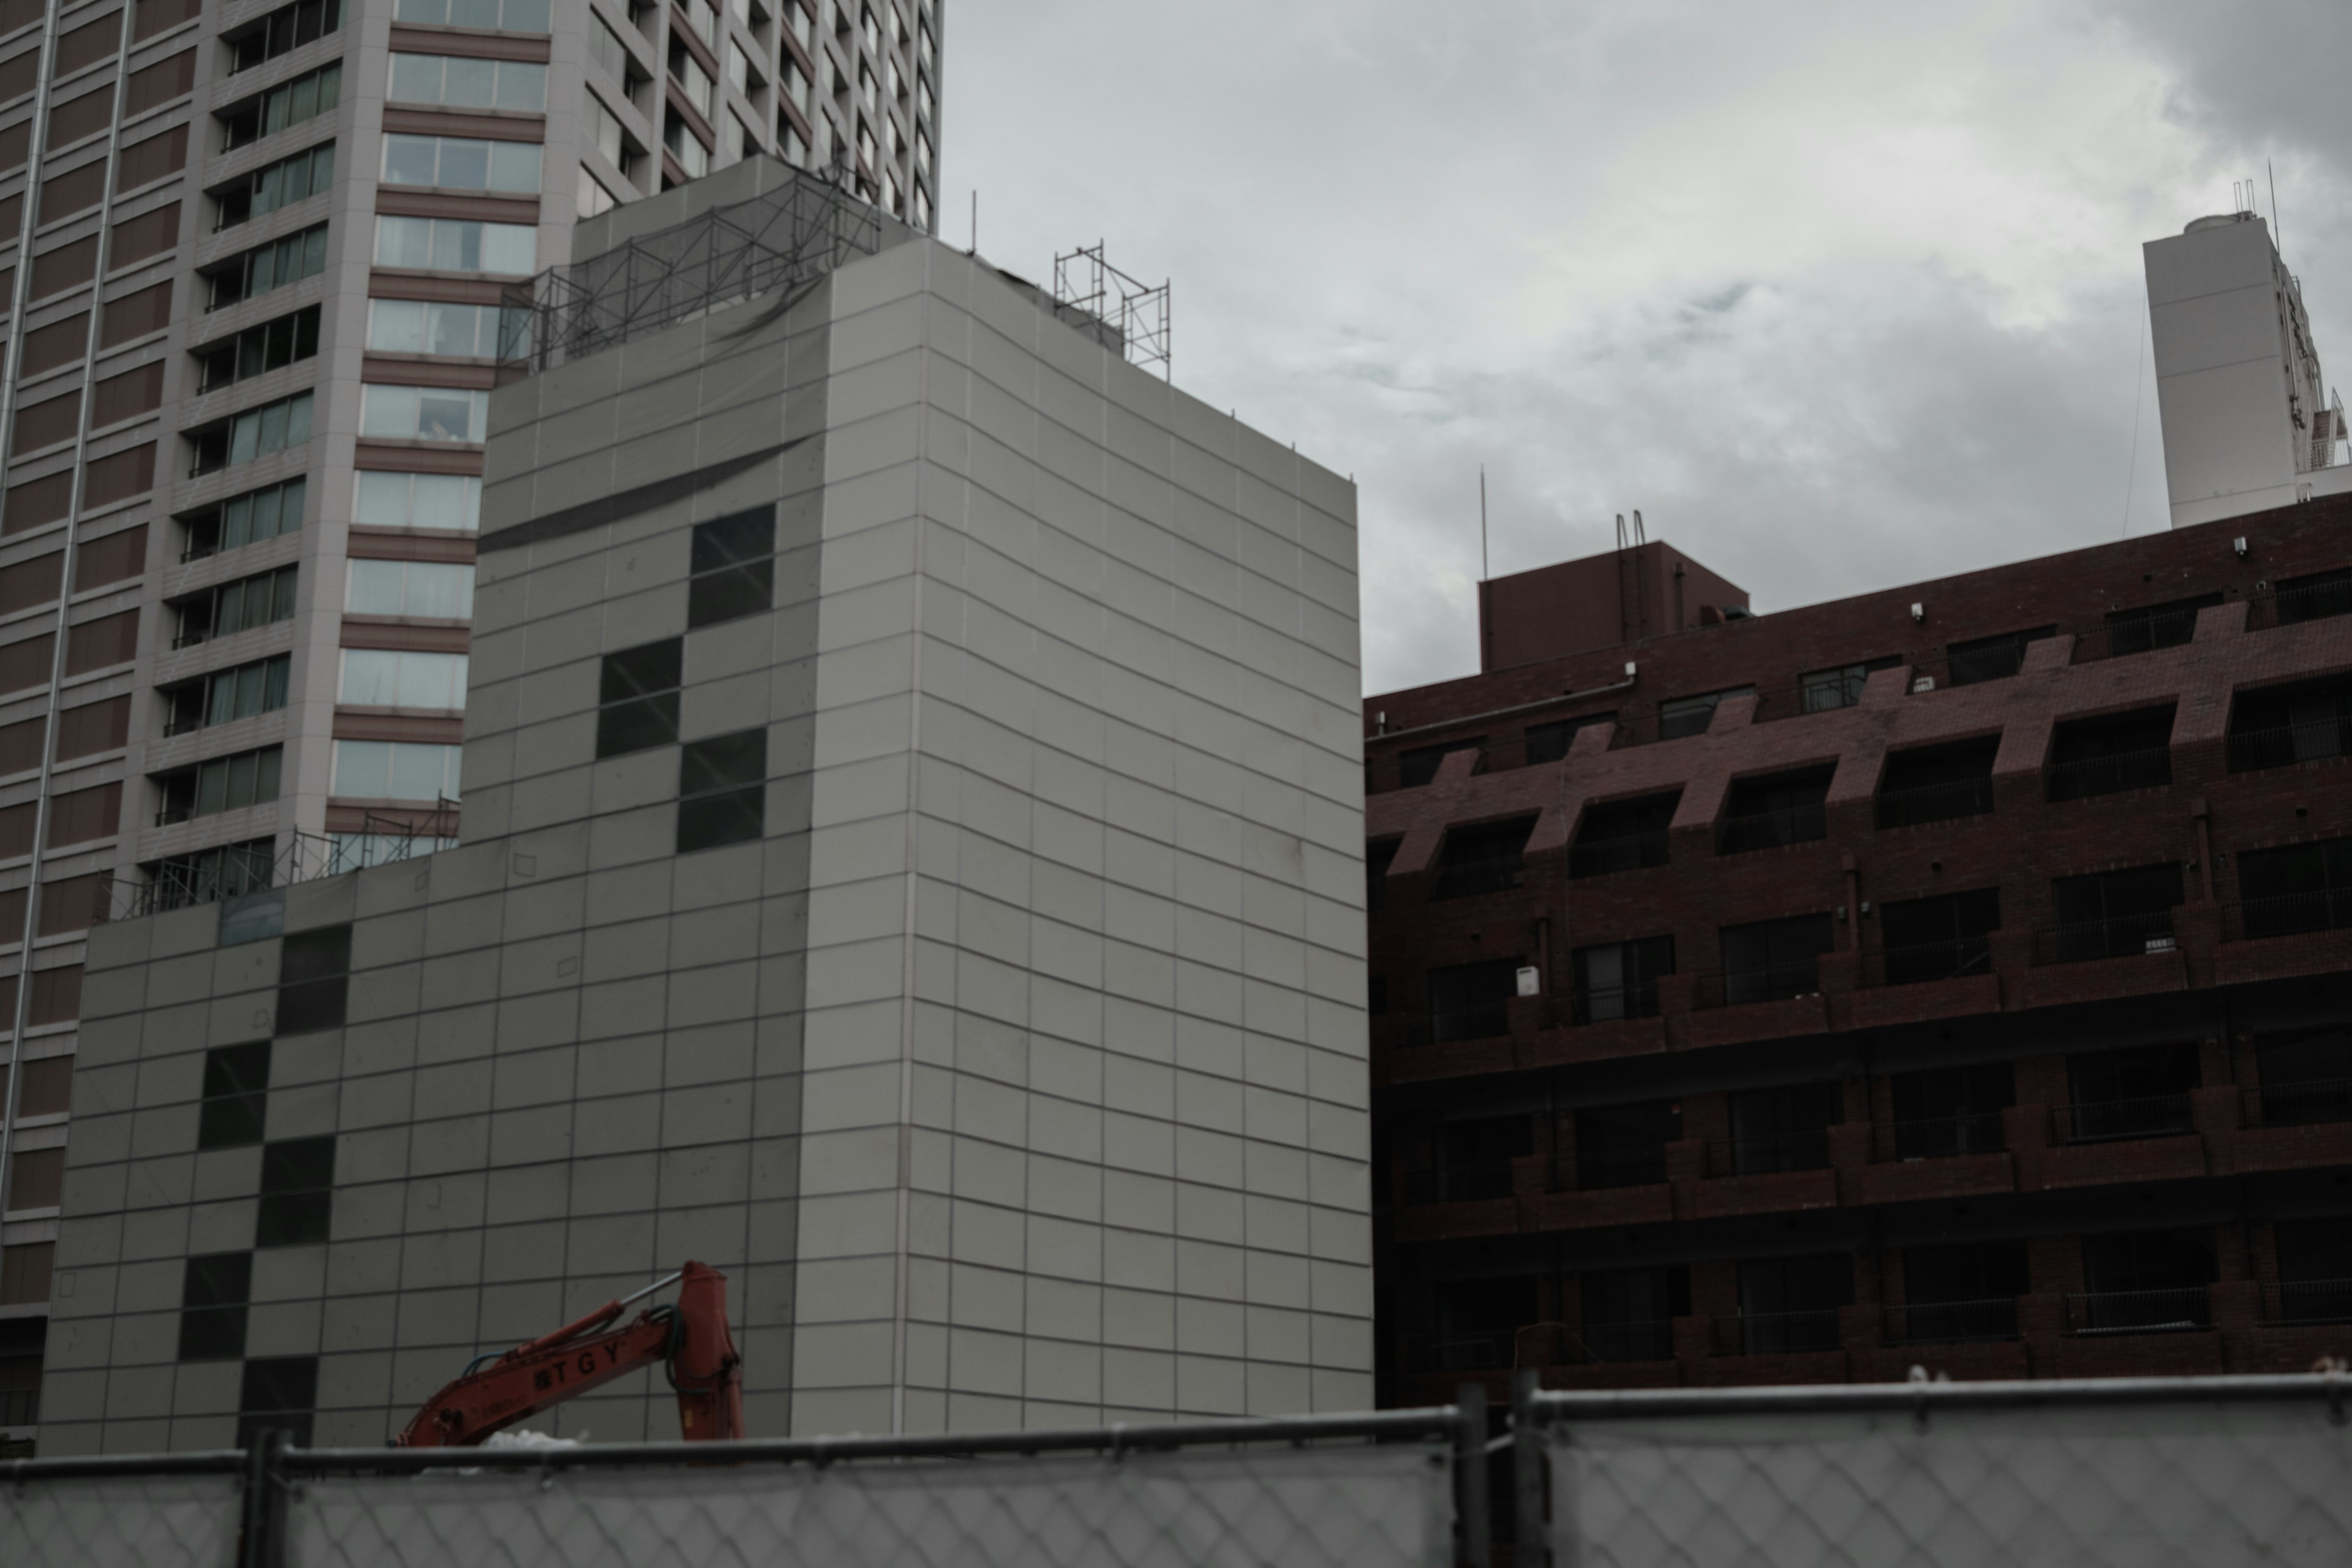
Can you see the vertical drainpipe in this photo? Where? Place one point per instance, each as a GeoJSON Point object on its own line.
{"type": "Point", "coordinates": [35, 154]}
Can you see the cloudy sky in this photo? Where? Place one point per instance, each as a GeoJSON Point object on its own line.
{"type": "Point", "coordinates": [1840, 294]}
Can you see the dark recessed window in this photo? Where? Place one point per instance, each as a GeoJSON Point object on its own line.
{"type": "Point", "coordinates": [1946, 1112]}
{"type": "Point", "coordinates": [214, 1290]}
{"type": "Point", "coordinates": [1620, 979]}
{"type": "Point", "coordinates": [1936, 783]}
{"type": "Point", "coordinates": [1771, 961]}
{"type": "Point", "coordinates": [2305, 1077]}
{"type": "Point", "coordinates": [2275, 726]}
{"type": "Point", "coordinates": [1785, 1128]}
{"type": "Point", "coordinates": [2314, 1265]}
{"type": "Point", "coordinates": [637, 698]}
{"type": "Point", "coordinates": [1819, 690]}
{"type": "Point", "coordinates": [734, 568]}
{"type": "Point", "coordinates": [278, 1396]}
{"type": "Point", "coordinates": [1789, 1304]}
{"type": "Point", "coordinates": [1472, 1001]}
{"type": "Point", "coordinates": [2138, 1092]}
{"type": "Point", "coordinates": [1629, 1313]}
{"type": "Point", "coordinates": [1485, 859]}
{"type": "Point", "coordinates": [1990, 659]}
{"type": "Point", "coordinates": [2295, 888]}
{"type": "Point", "coordinates": [2167, 625]}
{"type": "Point", "coordinates": [1777, 809]}
{"type": "Point", "coordinates": [2112, 914]}
{"type": "Point", "coordinates": [2145, 1281]}
{"type": "Point", "coordinates": [2112, 752]}
{"type": "Point", "coordinates": [1622, 835]}
{"type": "Point", "coordinates": [1550, 742]}
{"type": "Point", "coordinates": [1625, 1145]}
{"type": "Point", "coordinates": [722, 790]}
{"type": "Point", "coordinates": [1939, 938]}
{"type": "Point", "coordinates": [312, 982]}
{"type": "Point", "coordinates": [1419, 766]}
{"type": "Point", "coordinates": [1683, 716]}
{"type": "Point", "coordinates": [1379, 856]}
{"type": "Point", "coordinates": [298, 1180]}
{"type": "Point", "coordinates": [237, 1096]}
{"type": "Point", "coordinates": [2316, 597]}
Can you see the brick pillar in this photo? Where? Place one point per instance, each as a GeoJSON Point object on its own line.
{"type": "Point", "coordinates": [2026, 1130]}
{"type": "Point", "coordinates": [1693, 1345]}
{"type": "Point", "coordinates": [1674, 994]}
{"type": "Point", "coordinates": [1860, 1330]}
{"type": "Point", "coordinates": [1850, 1158]}
{"type": "Point", "coordinates": [2214, 1111]}
{"type": "Point", "coordinates": [1686, 1162]}
{"type": "Point", "coordinates": [2040, 1317]}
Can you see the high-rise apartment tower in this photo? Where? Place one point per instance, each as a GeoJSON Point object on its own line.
{"type": "Point", "coordinates": [253, 308]}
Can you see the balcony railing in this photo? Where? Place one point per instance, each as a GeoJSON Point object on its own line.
{"type": "Point", "coordinates": [2287, 914]}
{"type": "Point", "coordinates": [2292, 1302]}
{"type": "Point", "coordinates": [1918, 962]}
{"type": "Point", "coordinates": [2140, 635]}
{"type": "Point", "coordinates": [2107, 775]}
{"type": "Point", "coordinates": [1933, 803]}
{"type": "Point", "coordinates": [1952, 1322]}
{"type": "Point", "coordinates": [1806, 1150]}
{"type": "Point", "coordinates": [1601, 857]}
{"type": "Point", "coordinates": [1939, 1137]}
{"type": "Point", "coordinates": [1603, 1170]}
{"type": "Point", "coordinates": [1459, 1183]}
{"type": "Point", "coordinates": [2312, 602]}
{"type": "Point", "coordinates": [1777, 1333]}
{"type": "Point", "coordinates": [2105, 1120]}
{"type": "Point", "coordinates": [1610, 1004]}
{"type": "Point", "coordinates": [1770, 983]}
{"type": "Point", "coordinates": [2173, 1312]}
{"type": "Point", "coordinates": [1771, 829]}
{"type": "Point", "coordinates": [2121, 936]}
{"type": "Point", "coordinates": [2299, 1104]}
{"type": "Point", "coordinates": [2287, 745]}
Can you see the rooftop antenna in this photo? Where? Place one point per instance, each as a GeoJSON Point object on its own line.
{"type": "Point", "coordinates": [2275, 229]}
{"type": "Point", "coordinates": [1483, 572]}
{"type": "Point", "coordinates": [1641, 535]}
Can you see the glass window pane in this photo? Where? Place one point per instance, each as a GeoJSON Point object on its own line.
{"type": "Point", "coordinates": [273, 427]}
{"type": "Point", "coordinates": [240, 781]}
{"type": "Point", "coordinates": [389, 411]}
{"type": "Point", "coordinates": [236, 522]}
{"type": "Point", "coordinates": [298, 419]}
{"type": "Point", "coordinates": [443, 415]}
{"type": "Point", "coordinates": [522, 86]}
{"type": "Point", "coordinates": [375, 589]}
{"type": "Point", "coordinates": [212, 787]}
{"type": "Point", "coordinates": [370, 677]}
{"type": "Point", "coordinates": [396, 326]}
{"type": "Point", "coordinates": [404, 242]}
{"type": "Point", "coordinates": [383, 499]}
{"type": "Point", "coordinates": [409, 160]}
{"type": "Point", "coordinates": [473, 12]}
{"type": "Point", "coordinates": [436, 502]}
{"type": "Point", "coordinates": [265, 777]}
{"type": "Point", "coordinates": [506, 247]}
{"type": "Point", "coordinates": [514, 166]}
{"type": "Point", "coordinates": [418, 772]}
{"type": "Point", "coordinates": [453, 243]}
{"type": "Point", "coordinates": [432, 12]}
{"type": "Point", "coordinates": [452, 329]}
{"type": "Point", "coordinates": [249, 683]}
{"type": "Point", "coordinates": [245, 437]}
{"type": "Point", "coordinates": [363, 769]}
{"type": "Point", "coordinates": [525, 16]}
{"type": "Point", "coordinates": [470, 84]}
{"type": "Point", "coordinates": [465, 165]}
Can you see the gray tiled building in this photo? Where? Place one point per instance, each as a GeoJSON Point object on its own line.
{"type": "Point", "coordinates": [911, 861]}
{"type": "Point", "coordinates": [253, 256]}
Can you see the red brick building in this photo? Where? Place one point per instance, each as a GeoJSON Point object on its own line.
{"type": "Point", "coordinates": [1955, 976]}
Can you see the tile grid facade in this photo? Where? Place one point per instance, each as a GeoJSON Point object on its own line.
{"type": "Point", "coordinates": [1016, 1074]}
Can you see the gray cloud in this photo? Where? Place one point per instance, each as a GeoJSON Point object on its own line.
{"type": "Point", "coordinates": [1840, 294]}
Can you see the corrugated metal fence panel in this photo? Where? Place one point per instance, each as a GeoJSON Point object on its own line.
{"type": "Point", "coordinates": [130, 1521]}
{"type": "Point", "coordinates": [1362, 1506]}
{"type": "Point", "coordinates": [2187, 1484]}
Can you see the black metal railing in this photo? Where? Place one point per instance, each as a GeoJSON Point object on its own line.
{"type": "Point", "coordinates": [1987, 1321]}
{"type": "Point", "coordinates": [1808, 1148]}
{"type": "Point", "coordinates": [2142, 633]}
{"type": "Point", "coordinates": [1939, 1137]}
{"type": "Point", "coordinates": [1772, 829]}
{"type": "Point", "coordinates": [2310, 602]}
{"type": "Point", "coordinates": [1459, 1183]}
{"type": "Point", "coordinates": [1769, 982]}
{"type": "Point", "coordinates": [2287, 1303]}
{"type": "Point", "coordinates": [2107, 775]}
{"type": "Point", "coordinates": [2174, 1310]}
{"type": "Point", "coordinates": [2299, 1104]}
{"type": "Point", "coordinates": [2105, 1120]}
{"type": "Point", "coordinates": [1630, 852]}
{"type": "Point", "coordinates": [2287, 914]}
{"type": "Point", "coordinates": [2284, 745]}
{"type": "Point", "coordinates": [1592, 1171]}
{"type": "Point", "coordinates": [2119, 936]}
{"type": "Point", "coordinates": [1933, 803]}
{"type": "Point", "coordinates": [1916, 963]}
{"type": "Point", "coordinates": [1608, 1004]}
{"type": "Point", "coordinates": [1778, 1333]}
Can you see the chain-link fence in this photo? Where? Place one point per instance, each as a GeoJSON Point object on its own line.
{"type": "Point", "coordinates": [2121, 1473]}
{"type": "Point", "coordinates": [1364, 1491]}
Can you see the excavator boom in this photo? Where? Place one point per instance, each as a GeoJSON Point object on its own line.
{"type": "Point", "coordinates": [691, 1339]}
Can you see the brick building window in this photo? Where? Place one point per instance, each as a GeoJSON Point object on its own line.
{"type": "Point", "coordinates": [1418, 765]}
{"type": "Point", "coordinates": [1473, 1161]}
{"type": "Point", "coordinates": [1962, 1294]}
{"type": "Point", "coordinates": [2149, 626]}
{"type": "Point", "coordinates": [1820, 691]}
{"type": "Point", "coordinates": [1620, 979]}
{"type": "Point", "coordinates": [1625, 1145]}
{"type": "Point", "coordinates": [1776, 809]}
{"type": "Point", "coordinates": [1769, 961]}
{"type": "Point", "coordinates": [2304, 1077]}
{"type": "Point", "coordinates": [2314, 1269]}
{"type": "Point", "coordinates": [1622, 835]}
{"type": "Point", "coordinates": [1683, 716]}
{"type": "Point", "coordinates": [1992, 657]}
{"type": "Point", "coordinates": [1947, 1111]}
{"type": "Point", "coordinates": [2275, 726]}
{"type": "Point", "coordinates": [1629, 1313]}
{"type": "Point", "coordinates": [2316, 597]}
{"type": "Point", "coordinates": [47, 1088]}
{"type": "Point", "coordinates": [1937, 783]}
{"type": "Point", "coordinates": [2113, 753]}
{"type": "Point", "coordinates": [1787, 1304]}
{"type": "Point", "coordinates": [1477, 1325]}
{"type": "Point", "coordinates": [2111, 914]}
{"type": "Point", "coordinates": [1472, 1001]}
{"type": "Point", "coordinates": [1379, 856]}
{"type": "Point", "coordinates": [1939, 938]}
{"type": "Point", "coordinates": [1488, 857]}
{"type": "Point", "coordinates": [1550, 742]}
{"type": "Point", "coordinates": [2295, 888]}
{"type": "Point", "coordinates": [1783, 1128]}
{"type": "Point", "coordinates": [2138, 1092]}
{"type": "Point", "coordinates": [2148, 1281]}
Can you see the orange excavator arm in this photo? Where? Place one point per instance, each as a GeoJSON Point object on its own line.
{"type": "Point", "coordinates": [689, 1338]}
